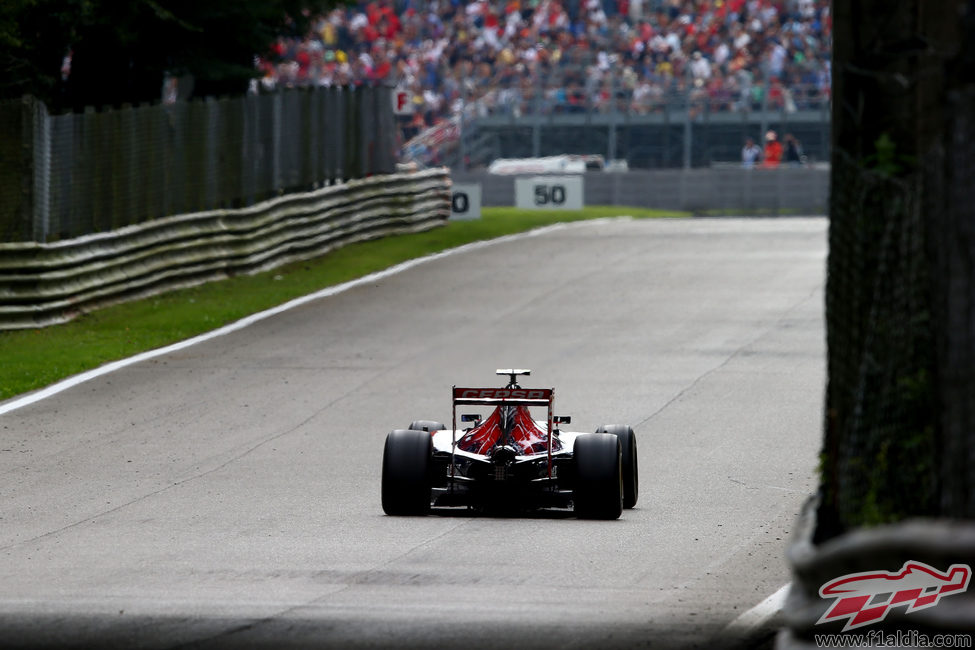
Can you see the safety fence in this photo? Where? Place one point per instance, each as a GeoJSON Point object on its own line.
{"type": "Point", "coordinates": [64, 176]}
{"type": "Point", "coordinates": [47, 283]}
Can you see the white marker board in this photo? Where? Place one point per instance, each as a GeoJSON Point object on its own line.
{"type": "Point", "coordinates": [549, 193]}
{"type": "Point", "coordinates": [465, 201]}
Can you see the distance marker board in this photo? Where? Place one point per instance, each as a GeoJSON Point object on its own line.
{"type": "Point", "coordinates": [549, 193]}
{"type": "Point", "coordinates": [465, 201]}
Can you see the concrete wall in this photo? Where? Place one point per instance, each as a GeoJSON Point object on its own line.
{"type": "Point", "coordinates": [735, 190]}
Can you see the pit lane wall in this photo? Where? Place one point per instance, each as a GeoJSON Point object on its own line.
{"type": "Point", "coordinates": [44, 284]}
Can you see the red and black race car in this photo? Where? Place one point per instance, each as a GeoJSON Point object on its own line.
{"type": "Point", "coordinates": [509, 461]}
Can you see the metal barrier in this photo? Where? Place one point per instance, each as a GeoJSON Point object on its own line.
{"type": "Point", "coordinates": [43, 284]}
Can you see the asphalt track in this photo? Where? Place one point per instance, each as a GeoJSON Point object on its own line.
{"type": "Point", "coordinates": [227, 494]}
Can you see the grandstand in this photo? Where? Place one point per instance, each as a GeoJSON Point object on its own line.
{"type": "Point", "coordinates": [657, 82]}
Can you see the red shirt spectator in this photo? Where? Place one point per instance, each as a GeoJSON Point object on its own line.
{"type": "Point", "coordinates": [773, 150]}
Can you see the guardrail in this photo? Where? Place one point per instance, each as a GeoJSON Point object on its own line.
{"type": "Point", "coordinates": [45, 284]}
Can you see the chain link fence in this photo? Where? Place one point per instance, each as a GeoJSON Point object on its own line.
{"type": "Point", "coordinates": [70, 175]}
{"type": "Point", "coordinates": [882, 456]}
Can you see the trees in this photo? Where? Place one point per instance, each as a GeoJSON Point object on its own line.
{"type": "Point", "coordinates": [34, 37]}
{"type": "Point", "coordinates": [120, 51]}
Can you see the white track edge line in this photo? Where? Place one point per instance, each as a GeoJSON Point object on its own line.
{"type": "Point", "coordinates": [31, 398]}
{"type": "Point", "coordinates": [749, 621]}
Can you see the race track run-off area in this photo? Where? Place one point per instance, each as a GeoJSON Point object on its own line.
{"type": "Point", "coordinates": [227, 494]}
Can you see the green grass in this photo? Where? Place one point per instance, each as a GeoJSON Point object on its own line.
{"type": "Point", "coordinates": [32, 359]}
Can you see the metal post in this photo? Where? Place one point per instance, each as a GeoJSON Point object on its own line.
{"type": "Point", "coordinates": [211, 166]}
{"type": "Point", "coordinates": [276, 127]}
{"type": "Point", "coordinates": [462, 149]}
{"type": "Point", "coordinates": [687, 130]}
{"type": "Point", "coordinates": [764, 128]}
{"type": "Point", "coordinates": [40, 135]}
{"type": "Point", "coordinates": [613, 113]}
{"type": "Point", "coordinates": [537, 119]}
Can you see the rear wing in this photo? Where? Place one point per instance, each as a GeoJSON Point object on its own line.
{"type": "Point", "coordinates": [505, 397]}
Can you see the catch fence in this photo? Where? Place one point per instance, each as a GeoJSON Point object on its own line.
{"type": "Point", "coordinates": [70, 175]}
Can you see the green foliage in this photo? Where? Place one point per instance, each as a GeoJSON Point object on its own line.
{"type": "Point", "coordinates": [34, 37]}
{"type": "Point", "coordinates": [886, 160]}
{"type": "Point", "coordinates": [10, 36]}
{"type": "Point", "coordinates": [901, 481]}
{"type": "Point", "coordinates": [121, 51]}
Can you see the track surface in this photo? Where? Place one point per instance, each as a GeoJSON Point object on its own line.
{"type": "Point", "coordinates": [227, 495]}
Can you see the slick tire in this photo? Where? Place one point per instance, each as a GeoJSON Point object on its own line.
{"type": "Point", "coordinates": [631, 473]}
{"type": "Point", "coordinates": [598, 492]}
{"type": "Point", "coordinates": [427, 425]}
{"type": "Point", "coordinates": [406, 481]}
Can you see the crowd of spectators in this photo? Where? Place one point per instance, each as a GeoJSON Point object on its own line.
{"type": "Point", "coordinates": [567, 55]}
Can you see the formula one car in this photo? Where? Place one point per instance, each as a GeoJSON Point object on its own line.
{"type": "Point", "coordinates": [509, 461]}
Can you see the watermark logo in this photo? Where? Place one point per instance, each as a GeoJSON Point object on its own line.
{"type": "Point", "coordinates": [865, 598]}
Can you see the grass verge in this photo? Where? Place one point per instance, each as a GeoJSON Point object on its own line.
{"type": "Point", "coordinates": [33, 359]}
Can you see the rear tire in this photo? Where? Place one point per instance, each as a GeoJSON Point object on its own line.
{"type": "Point", "coordinates": [407, 463]}
{"type": "Point", "coordinates": [631, 474]}
{"type": "Point", "coordinates": [598, 492]}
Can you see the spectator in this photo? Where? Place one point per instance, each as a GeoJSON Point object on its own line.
{"type": "Point", "coordinates": [700, 67]}
{"type": "Point", "coordinates": [772, 155]}
{"type": "Point", "coordinates": [513, 56]}
{"type": "Point", "coordinates": [793, 151]}
{"type": "Point", "coordinates": [751, 154]}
